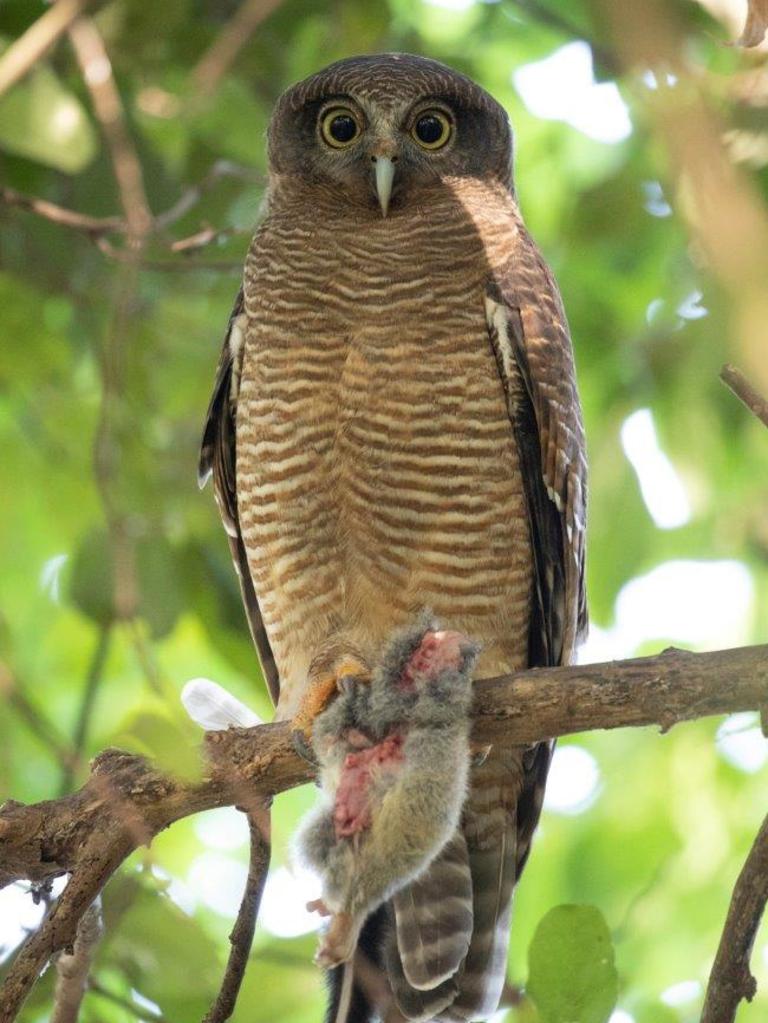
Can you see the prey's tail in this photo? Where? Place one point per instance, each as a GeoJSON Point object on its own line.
{"type": "Point", "coordinates": [357, 989]}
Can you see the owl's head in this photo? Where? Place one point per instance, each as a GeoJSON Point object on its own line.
{"type": "Point", "coordinates": [384, 130]}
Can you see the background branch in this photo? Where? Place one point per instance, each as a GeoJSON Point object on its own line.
{"type": "Point", "coordinates": [731, 979]}
{"type": "Point", "coordinates": [222, 53]}
{"type": "Point", "coordinates": [93, 680]}
{"type": "Point", "coordinates": [241, 937]}
{"type": "Point", "coordinates": [72, 968]}
{"type": "Point", "coordinates": [96, 69]}
{"type": "Point", "coordinates": [23, 54]}
{"type": "Point", "coordinates": [745, 392]}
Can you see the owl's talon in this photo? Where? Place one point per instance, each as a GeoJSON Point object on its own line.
{"type": "Point", "coordinates": [303, 746]}
{"type": "Point", "coordinates": [346, 683]}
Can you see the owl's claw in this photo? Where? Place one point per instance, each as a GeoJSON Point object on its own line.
{"type": "Point", "coordinates": [303, 746]}
{"type": "Point", "coordinates": [321, 690]}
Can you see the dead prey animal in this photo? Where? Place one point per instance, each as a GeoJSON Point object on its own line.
{"type": "Point", "coordinates": [394, 757]}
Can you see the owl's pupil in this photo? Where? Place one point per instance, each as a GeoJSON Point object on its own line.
{"type": "Point", "coordinates": [429, 129]}
{"type": "Point", "coordinates": [343, 128]}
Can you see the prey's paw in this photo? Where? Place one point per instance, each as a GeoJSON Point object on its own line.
{"type": "Point", "coordinates": [318, 906]}
{"type": "Point", "coordinates": [479, 753]}
{"type": "Point", "coordinates": [337, 945]}
{"type": "Point", "coordinates": [437, 652]}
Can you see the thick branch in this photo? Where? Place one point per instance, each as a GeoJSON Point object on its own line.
{"type": "Point", "coordinates": [126, 802]}
{"type": "Point", "coordinates": [43, 840]}
{"type": "Point", "coordinates": [731, 979]}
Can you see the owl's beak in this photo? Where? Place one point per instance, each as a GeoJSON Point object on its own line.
{"type": "Point", "coordinates": [385, 175]}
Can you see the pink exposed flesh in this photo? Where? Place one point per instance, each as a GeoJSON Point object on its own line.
{"type": "Point", "coordinates": [437, 652]}
{"type": "Point", "coordinates": [352, 809]}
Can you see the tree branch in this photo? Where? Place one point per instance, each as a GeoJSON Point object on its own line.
{"type": "Point", "coordinates": [100, 229]}
{"type": "Point", "coordinates": [241, 937]}
{"type": "Point", "coordinates": [72, 968]}
{"type": "Point", "coordinates": [731, 979]}
{"type": "Point", "coordinates": [126, 802]}
{"type": "Point", "coordinates": [745, 392]}
{"type": "Point", "coordinates": [96, 69]}
{"type": "Point", "coordinates": [222, 53]}
{"type": "Point", "coordinates": [21, 55]}
{"type": "Point", "coordinates": [81, 222]}
{"type": "Point", "coordinates": [92, 682]}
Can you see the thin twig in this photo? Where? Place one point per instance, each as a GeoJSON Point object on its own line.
{"type": "Point", "coordinates": [241, 937]}
{"type": "Point", "coordinates": [12, 691]}
{"type": "Point", "coordinates": [99, 229]}
{"type": "Point", "coordinates": [96, 69]}
{"type": "Point", "coordinates": [72, 968]}
{"type": "Point", "coordinates": [731, 979]}
{"type": "Point", "coordinates": [21, 55]}
{"type": "Point", "coordinates": [192, 195]}
{"type": "Point", "coordinates": [60, 215]}
{"type": "Point", "coordinates": [745, 392]}
{"type": "Point", "coordinates": [221, 55]}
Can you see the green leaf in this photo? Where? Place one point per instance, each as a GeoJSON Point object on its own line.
{"type": "Point", "coordinates": [91, 586]}
{"type": "Point", "coordinates": [161, 600]}
{"type": "Point", "coordinates": [42, 120]}
{"type": "Point", "coordinates": [571, 972]}
{"type": "Point", "coordinates": [92, 581]}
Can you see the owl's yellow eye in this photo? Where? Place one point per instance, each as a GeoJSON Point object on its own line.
{"type": "Point", "coordinates": [432, 129]}
{"type": "Point", "coordinates": [340, 127]}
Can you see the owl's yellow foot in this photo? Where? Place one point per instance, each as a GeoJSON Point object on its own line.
{"type": "Point", "coordinates": [322, 687]}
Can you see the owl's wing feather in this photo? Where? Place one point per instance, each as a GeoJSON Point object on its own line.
{"type": "Point", "coordinates": [529, 335]}
{"type": "Point", "coordinates": [530, 339]}
{"type": "Point", "coordinates": [218, 460]}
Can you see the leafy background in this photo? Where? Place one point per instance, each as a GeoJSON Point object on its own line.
{"type": "Point", "coordinates": [644, 180]}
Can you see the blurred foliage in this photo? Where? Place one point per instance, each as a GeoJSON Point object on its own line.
{"type": "Point", "coordinates": [571, 973]}
{"type": "Point", "coordinates": [116, 583]}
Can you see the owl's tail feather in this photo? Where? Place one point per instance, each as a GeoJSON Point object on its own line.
{"type": "Point", "coordinates": [433, 918]}
{"type": "Point", "coordinates": [480, 865]}
{"type": "Point", "coordinates": [490, 826]}
{"type": "Point", "coordinates": [430, 933]}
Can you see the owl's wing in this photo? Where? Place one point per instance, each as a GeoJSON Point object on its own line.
{"type": "Point", "coordinates": [530, 339]}
{"type": "Point", "coordinates": [218, 459]}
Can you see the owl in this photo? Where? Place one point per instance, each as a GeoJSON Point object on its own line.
{"type": "Point", "coordinates": [395, 426]}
